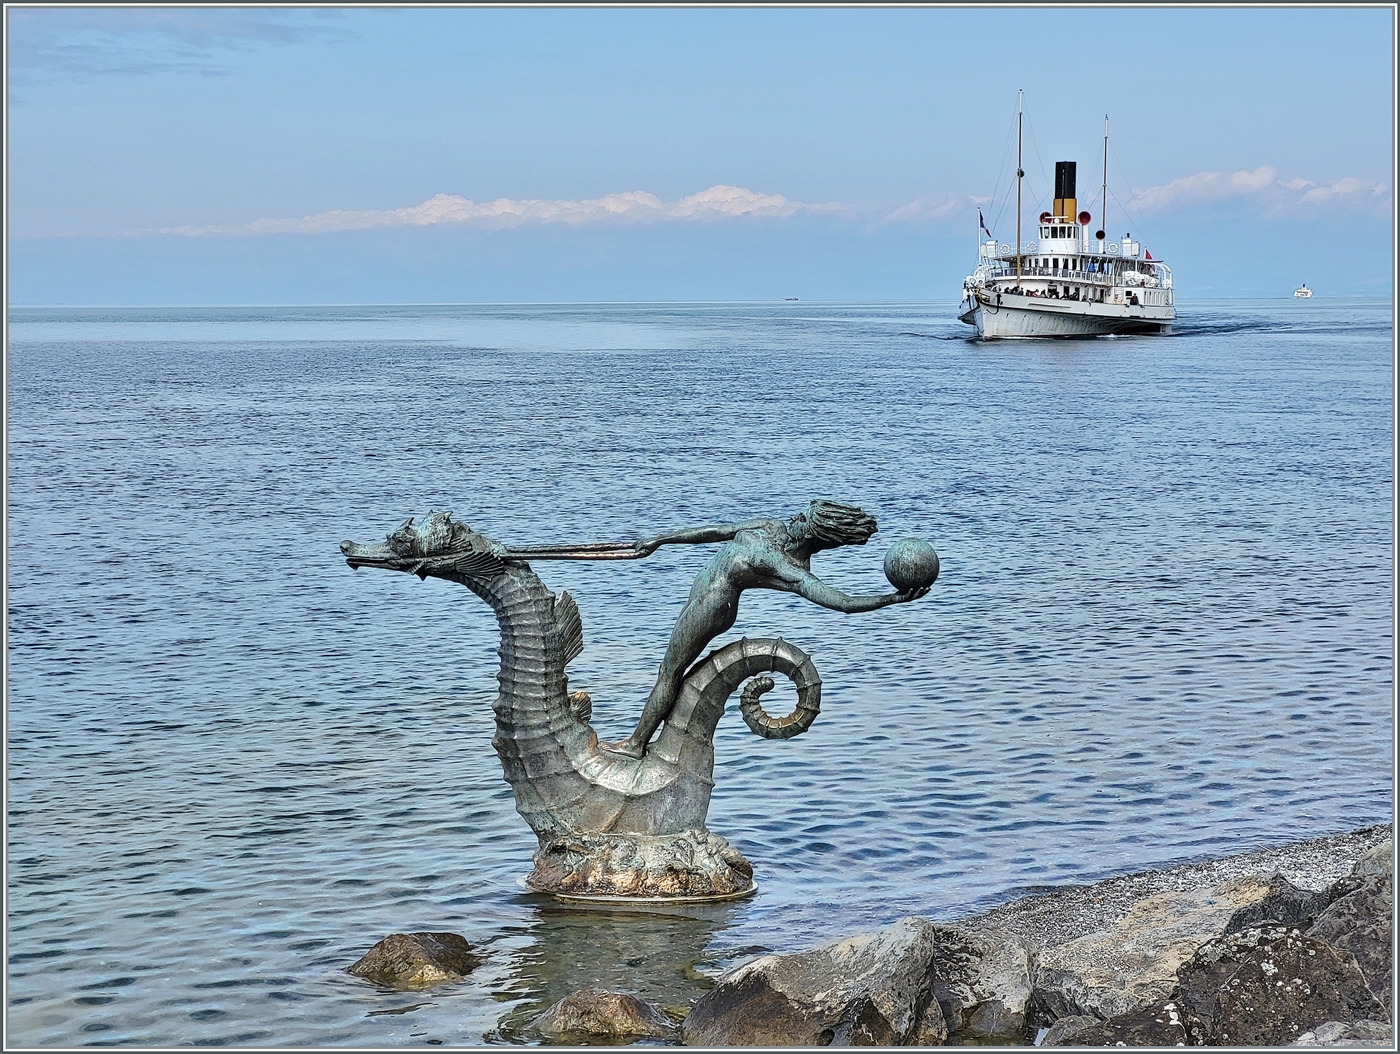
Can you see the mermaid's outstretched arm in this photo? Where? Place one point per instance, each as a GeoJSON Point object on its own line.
{"type": "Point", "coordinates": [809, 586]}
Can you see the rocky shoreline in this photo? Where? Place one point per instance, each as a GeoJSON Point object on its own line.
{"type": "Point", "coordinates": [1283, 946]}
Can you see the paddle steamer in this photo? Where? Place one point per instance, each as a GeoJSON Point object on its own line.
{"type": "Point", "coordinates": [1066, 283]}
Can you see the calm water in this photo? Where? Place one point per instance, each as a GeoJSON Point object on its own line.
{"type": "Point", "coordinates": [1163, 631]}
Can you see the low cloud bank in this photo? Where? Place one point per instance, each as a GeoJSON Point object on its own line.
{"type": "Point", "coordinates": [1266, 190]}
{"type": "Point", "coordinates": [713, 202]}
{"type": "Point", "coordinates": [1260, 192]}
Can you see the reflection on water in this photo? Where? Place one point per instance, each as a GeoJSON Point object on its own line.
{"type": "Point", "coordinates": [663, 956]}
{"type": "Point", "coordinates": [1162, 631]}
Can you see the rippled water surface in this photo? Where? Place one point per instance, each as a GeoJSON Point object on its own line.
{"type": "Point", "coordinates": [1162, 631]}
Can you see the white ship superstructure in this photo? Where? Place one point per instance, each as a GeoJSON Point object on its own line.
{"type": "Point", "coordinates": [1066, 282]}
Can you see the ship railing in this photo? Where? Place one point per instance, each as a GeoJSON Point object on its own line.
{"type": "Point", "coordinates": [1095, 278]}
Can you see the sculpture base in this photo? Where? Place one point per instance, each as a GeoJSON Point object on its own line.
{"type": "Point", "coordinates": [690, 865]}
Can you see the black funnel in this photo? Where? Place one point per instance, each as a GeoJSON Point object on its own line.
{"type": "Point", "coordinates": [1064, 179]}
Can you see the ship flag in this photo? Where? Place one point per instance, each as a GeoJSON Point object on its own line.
{"type": "Point", "coordinates": [1147, 254]}
{"type": "Point", "coordinates": [983, 224]}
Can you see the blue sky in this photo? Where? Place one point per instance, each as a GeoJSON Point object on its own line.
{"type": "Point", "coordinates": [265, 155]}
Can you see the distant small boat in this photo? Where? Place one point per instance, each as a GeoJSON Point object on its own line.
{"type": "Point", "coordinates": [789, 298]}
{"type": "Point", "coordinates": [1302, 292]}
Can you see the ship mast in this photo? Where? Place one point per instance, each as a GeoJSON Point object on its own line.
{"type": "Point", "coordinates": [1019, 174]}
{"type": "Point", "coordinates": [1103, 203]}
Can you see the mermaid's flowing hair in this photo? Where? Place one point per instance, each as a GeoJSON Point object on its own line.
{"type": "Point", "coordinates": [831, 524]}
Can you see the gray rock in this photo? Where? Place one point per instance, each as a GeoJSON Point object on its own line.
{"type": "Point", "coordinates": [1284, 904]}
{"type": "Point", "coordinates": [982, 982]}
{"type": "Point", "coordinates": [1063, 1031]}
{"type": "Point", "coordinates": [417, 960]}
{"type": "Point", "coordinates": [1131, 963]}
{"type": "Point", "coordinates": [1215, 962]}
{"type": "Point", "coordinates": [1282, 989]}
{"type": "Point", "coordinates": [1156, 1026]}
{"type": "Point", "coordinates": [1360, 924]}
{"type": "Point", "coordinates": [1343, 1034]}
{"type": "Point", "coordinates": [1378, 860]}
{"type": "Point", "coordinates": [595, 1012]}
{"type": "Point", "coordinates": [868, 990]}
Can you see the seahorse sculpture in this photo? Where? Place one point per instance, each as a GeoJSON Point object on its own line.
{"type": "Point", "coordinates": [608, 825]}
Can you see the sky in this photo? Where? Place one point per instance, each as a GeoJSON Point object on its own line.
{"type": "Point", "coordinates": [226, 155]}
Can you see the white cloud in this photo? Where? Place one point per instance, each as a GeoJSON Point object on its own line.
{"type": "Point", "coordinates": [712, 203]}
{"type": "Point", "coordinates": [1263, 188]}
{"type": "Point", "coordinates": [1349, 189]}
{"type": "Point", "coordinates": [1205, 186]}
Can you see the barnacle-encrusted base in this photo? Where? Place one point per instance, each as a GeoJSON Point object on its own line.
{"type": "Point", "coordinates": [687, 865]}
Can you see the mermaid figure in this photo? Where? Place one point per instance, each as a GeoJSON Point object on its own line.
{"type": "Point", "coordinates": [766, 553]}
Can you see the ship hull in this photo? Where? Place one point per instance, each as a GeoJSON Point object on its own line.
{"type": "Point", "coordinates": [1011, 316]}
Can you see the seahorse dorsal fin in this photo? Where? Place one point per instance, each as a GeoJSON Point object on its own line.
{"type": "Point", "coordinates": [570, 624]}
{"type": "Point", "coordinates": [482, 564]}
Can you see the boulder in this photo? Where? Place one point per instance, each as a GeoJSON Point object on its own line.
{"type": "Point", "coordinates": [1215, 962]}
{"type": "Point", "coordinates": [982, 982]}
{"type": "Point", "coordinates": [867, 990]}
{"type": "Point", "coordinates": [1359, 922]}
{"type": "Point", "coordinates": [1378, 860]}
{"type": "Point", "coordinates": [1131, 963]}
{"type": "Point", "coordinates": [1063, 1031]}
{"type": "Point", "coordinates": [1156, 1026]}
{"type": "Point", "coordinates": [595, 1012]}
{"type": "Point", "coordinates": [1276, 991]}
{"type": "Point", "coordinates": [1284, 905]}
{"type": "Point", "coordinates": [417, 960]}
{"type": "Point", "coordinates": [1342, 1034]}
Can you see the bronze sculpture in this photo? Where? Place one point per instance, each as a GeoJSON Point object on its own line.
{"type": "Point", "coordinates": [629, 820]}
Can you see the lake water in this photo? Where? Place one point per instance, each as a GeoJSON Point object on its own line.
{"type": "Point", "coordinates": [1162, 632]}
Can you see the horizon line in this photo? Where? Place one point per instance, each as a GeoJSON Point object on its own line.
{"type": "Point", "coordinates": [623, 303]}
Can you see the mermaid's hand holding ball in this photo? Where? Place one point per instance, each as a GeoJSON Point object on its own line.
{"type": "Point", "coordinates": [911, 565]}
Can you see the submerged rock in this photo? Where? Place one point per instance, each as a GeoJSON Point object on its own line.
{"type": "Point", "coordinates": [417, 960]}
{"type": "Point", "coordinates": [597, 1012]}
{"type": "Point", "coordinates": [868, 990]}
